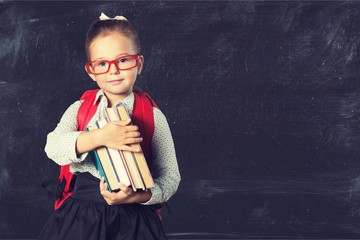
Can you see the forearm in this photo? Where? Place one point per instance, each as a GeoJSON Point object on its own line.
{"type": "Point", "coordinates": [88, 141]}
{"type": "Point", "coordinates": [141, 197]}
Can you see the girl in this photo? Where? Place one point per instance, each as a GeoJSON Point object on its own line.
{"type": "Point", "coordinates": [91, 211]}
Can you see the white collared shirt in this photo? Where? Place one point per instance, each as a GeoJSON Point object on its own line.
{"type": "Point", "coordinates": [60, 147]}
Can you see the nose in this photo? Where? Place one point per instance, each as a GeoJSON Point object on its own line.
{"type": "Point", "coordinates": [114, 68]}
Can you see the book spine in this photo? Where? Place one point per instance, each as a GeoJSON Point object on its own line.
{"type": "Point", "coordinates": [102, 156]}
{"type": "Point", "coordinates": [125, 173]}
{"type": "Point", "coordinates": [144, 170]}
{"type": "Point", "coordinates": [99, 166]}
{"type": "Point", "coordinates": [138, 157]}
{"type": "Point", "coordinates": [101, 169]}
{"type": "Point", "coordinates": [101, 124]}
{"type": "Point", "coordinates": [134, 171]}
{"type": "Point", "coordinates": [127, 170]}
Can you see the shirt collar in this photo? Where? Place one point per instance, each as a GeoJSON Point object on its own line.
{"type": "Point", "coordinates": [128, 101]}
{"type": "Point", "coordinates": [99, 94]}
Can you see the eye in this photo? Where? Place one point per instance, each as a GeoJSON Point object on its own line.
{"type": "Point", "coordinates": [101, 64]}
{"type": "Point", "coordinates": [123, 60]}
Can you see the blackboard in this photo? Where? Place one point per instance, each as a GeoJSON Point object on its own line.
{"type": "Point", "coordinates": [262, 97]}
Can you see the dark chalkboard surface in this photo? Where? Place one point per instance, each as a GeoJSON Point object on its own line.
{"type": "Point", "coordinates": [263, 99]}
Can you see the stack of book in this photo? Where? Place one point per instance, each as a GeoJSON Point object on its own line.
{"type": "Point", "coordinates": [129, 168]}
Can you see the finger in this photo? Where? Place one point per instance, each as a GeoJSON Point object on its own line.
{"type": "Point", "coordinates": [133, 140]}
{"type": "Point", "coordinates": [102, 184]}
{"type": "Point", "coordinates": [109, 197]}
{"type": "Point", "coordinates": [125, 189]}
{"type": "Point", "coordinates": [130, 148]}
{"type": "Point", "coordinates": [131, 128]}
{"type": "Point", "coordinates": [134, 134]}
{"type": "Point", "coordinates": [122, 122]}
{"type": "Point", "coordinates": [103, 187]}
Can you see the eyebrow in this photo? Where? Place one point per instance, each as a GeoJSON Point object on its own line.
{"type": "Point", "coordinates": [117, 56]}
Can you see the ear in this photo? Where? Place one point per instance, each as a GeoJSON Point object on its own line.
{"type": "Point", "coordinates": [141, 65]}
{"type": "Point", "coordinates": [92, 76]}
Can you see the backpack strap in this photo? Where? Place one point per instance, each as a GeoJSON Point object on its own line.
{"type": "Point", "coordinates": [143, 117]}
{"type": "Point", "coordinates": [66, 179]}
{"type": "Point", "coordinates": [87, 109]}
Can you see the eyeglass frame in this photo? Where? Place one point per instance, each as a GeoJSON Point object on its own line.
{"type": "Point", "coordinates": [88, 64]}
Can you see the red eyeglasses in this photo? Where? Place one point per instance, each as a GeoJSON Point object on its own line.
{"type": "Point", "coordinates": [127, 62]}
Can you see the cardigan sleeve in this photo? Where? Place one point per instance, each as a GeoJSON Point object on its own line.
{"type": "Point", "coordinates": [165, 166]}
{"type": "Point", "coordinates": [61, 143]}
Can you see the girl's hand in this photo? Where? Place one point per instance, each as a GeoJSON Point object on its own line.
{"type": "Point", "coordinates": [124, 196]}
{"type": "Point", "coordinates": [119, 134]}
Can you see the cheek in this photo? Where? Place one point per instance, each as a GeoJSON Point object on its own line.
{"type": "Point", "coordinates": [101, 77]}
{"type": "Point", "coordinates": [132, 74]}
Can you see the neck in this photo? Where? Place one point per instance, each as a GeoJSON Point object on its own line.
{"type": "Point", "coordinates": [115, 99]}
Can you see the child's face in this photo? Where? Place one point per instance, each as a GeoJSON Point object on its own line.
{"type": "Point", "coordinates": [116, 84]}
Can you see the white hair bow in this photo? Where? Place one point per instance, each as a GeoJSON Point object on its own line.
{"type": "Point", "coordinates": [104, 17]}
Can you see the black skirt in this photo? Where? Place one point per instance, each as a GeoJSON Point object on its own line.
{"type": "Point", "coordinates": [87, 216]}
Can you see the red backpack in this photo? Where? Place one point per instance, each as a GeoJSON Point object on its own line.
{"type": "Point", "coordinates": [142, 116]}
